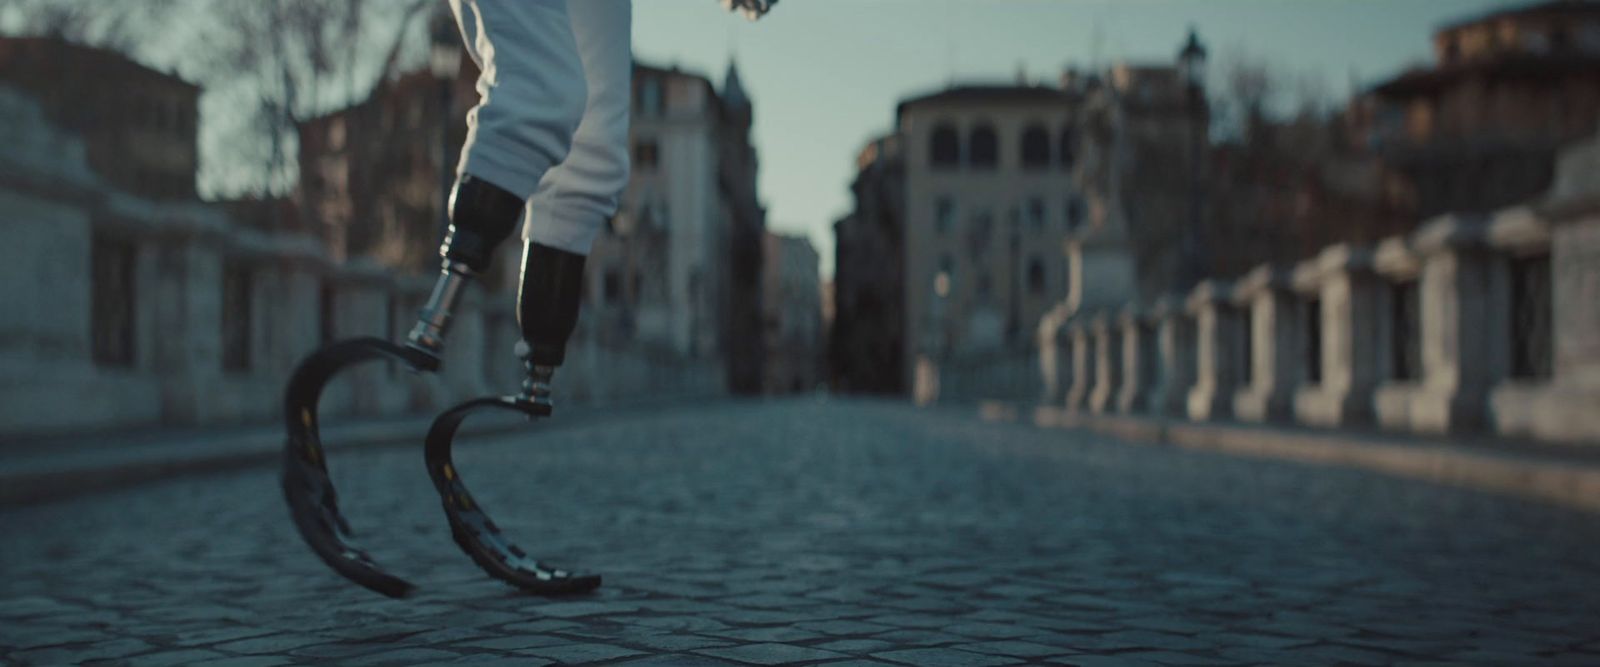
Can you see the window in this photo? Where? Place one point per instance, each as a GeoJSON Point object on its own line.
{"type": "Point", "coordinates": [235, 319]}
{"type": "Point", "coordinates": [1530, 317]}
{"type": "Point", "coordinates": [1036, 213]}
{"type": "Point", "coordinates": [613, 286]}
{"type": "Point", "coordinates": [1074, 213]}
{"type": "Point", "coordinates": [944, 215]}
{"type": "Point", "coordinates": [1247, 344]}
{"type": "Point", "coordinates": [326, 311]}
{"type": "Point", "coordinates": [945, 146]}
{"type": "Point", "coordinates": [1405, 332]}
{"type": "Point", "coordinates": [985, 147]}
{"type": "Point", "coordinates": [1036, 147]}
{"type": "Point", "coordinates": [651, 100]}
{"type": "Point", "coordinates": [1035, 276]}
{"type": "Point", "coordinates": [1068, 142]}
{"type": "Point", "coordinates": [978, 235]}
{"type": "Point", "coordinates": [112, 302]}
{"type": "Point", "coordinates": [391, 326]}
{"type": "Point", "coordinates": [646, 154]}
{"type": "Point", "coordinates": [1313, 320]}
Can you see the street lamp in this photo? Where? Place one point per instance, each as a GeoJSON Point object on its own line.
{"type": "Point", "coordinates": [444, 62]}
{"type": "Point", "coordinates": [1192, 69]}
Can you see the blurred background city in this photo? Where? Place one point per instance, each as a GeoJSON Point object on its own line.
{"type": "Point", "coordinates": [1327, 213]}
{"type": "Point", "coordinates": [894, 288]}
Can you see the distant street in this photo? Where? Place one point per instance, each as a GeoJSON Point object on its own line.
{"type": "Point", "coordinates": [818, 531]}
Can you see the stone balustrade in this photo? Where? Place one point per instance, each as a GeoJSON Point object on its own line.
{"type": "Point", "coordinates": [139, 314]}
{"type": "Point", "coordinates": [1473, 323]}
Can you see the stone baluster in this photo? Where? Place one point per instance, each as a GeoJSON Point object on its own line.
{"type": "Point", "coordinates": [1139, 360]}
{"type": "Point", "coordinates": [1107, 363]}
{"type": "Point", "coordinates": [1083, 366]}
{"type": "Point", "coordinates": [1273, 336]}
{"type": "Point", "coordinates": [1400, 268]}
{"type": "Point", "coordinates": [1342, 283]}
{"type": "Point", "coordinates": [1175, 349]}
{"type": "Point", "coordinates": [1216, 340]}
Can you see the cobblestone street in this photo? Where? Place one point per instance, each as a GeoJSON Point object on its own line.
{"type": "Point", "coordinates": [817, 531]}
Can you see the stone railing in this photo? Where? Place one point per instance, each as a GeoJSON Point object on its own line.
{"type": "Point", "coordinates": [126, 313]}
{"type": "Point", "coordinates": [1471, 324]}
{"type": "Point", "coordinates": [1006, 373]}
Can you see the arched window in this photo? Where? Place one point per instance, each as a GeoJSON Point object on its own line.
{"type": "Point", "coordinates": [945, 146]}
{"type": "Point", "coordinates": [1068, 144]}
{"type": "Point", "coordinates": [985, 147]}
{"type": "Point", "coordinates": [1035, 147]}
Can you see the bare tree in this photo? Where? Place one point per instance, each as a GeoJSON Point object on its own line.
{"type": "Point", "coordinates": [115, 25]}
{"type": "Point", "coordinates": [287, 58]}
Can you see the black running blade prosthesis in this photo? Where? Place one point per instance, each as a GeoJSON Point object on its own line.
{"type": "Point", "coordinates": [313, 501]}
{"type": "Point", "coordinates": [473, 530]}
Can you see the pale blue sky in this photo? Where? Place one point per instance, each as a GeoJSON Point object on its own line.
{"type": "Point", "coordinates": [826, 74]}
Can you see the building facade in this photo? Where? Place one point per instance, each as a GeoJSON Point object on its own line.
{"type": "Point", "coordinates": [989, 202]}
{"type": "Point", "coordinates": [371, 175]}
{"type": "Point", "coordinates": [866, 342]}
{"type": "Point", "coordinates": [792, 295]}
{"type": "Point", "coordinates": [138, 125]}
{"type": "Point", "coordinates": [677, 270]}
{"type": "Point", "coordinates": [1481, 127]}
{"type": "Point", "coordinates": [674, 270]}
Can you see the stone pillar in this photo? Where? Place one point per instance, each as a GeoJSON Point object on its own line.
{"type": "Point", "coordinates": [1459, 354]}
{"type": "Point", "coordinates": [187, 298]}
{"type": "Point", "coordinates": [1175, 346]}
{"type": "Point", "coordinates": [1216, 340]}
{"type": "Point", "coordinates": [1107, 364]}
{"type": "Point", "coordinates": [1567, 409]}
{"type": "Point", "coordinates": [1557, 403]}
{"type": "Point", "coordinates": [1083, 366]}
{"type": "Point", "coordinates": [1273, 342]}
{"type": "Point", "coordinates": [1139, 360]}
{"type": "Point", "coordinates": [1342, 281]}
{"type": "Point", "coordinates": [1397, 263]}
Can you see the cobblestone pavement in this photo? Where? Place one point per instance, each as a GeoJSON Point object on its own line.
{"type": "Point", "coordinates": [811, 531]}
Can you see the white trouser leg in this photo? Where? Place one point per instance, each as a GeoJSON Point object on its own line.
{"type": "Point", "coordinates": [531, 89]}
{"type": "Point", "coordinates": [580, 194]}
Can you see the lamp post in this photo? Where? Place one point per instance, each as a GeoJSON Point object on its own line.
{"type": "Point", "coordinates": [444, 62]}
{"type": "Point", "coordinates": [1191, 68]}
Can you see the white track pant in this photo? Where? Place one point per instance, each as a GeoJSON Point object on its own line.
{"type": "Point", "coordinates": [551, 123]}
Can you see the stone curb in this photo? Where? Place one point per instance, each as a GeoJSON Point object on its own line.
{"type": "Point", "coordinates": [98, 472]}
{"type": "Point", "coordinates": [1573, 483]}
{"type": "Point", "coordinates": [42, 486]}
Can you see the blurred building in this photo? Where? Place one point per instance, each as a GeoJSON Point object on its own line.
{"type": "Point", "coordinates": [866, 346]}
{"type": "Point", "coordinates": [793, 307]}
{"type": "Point", "coordinates": [675, 268]}
{"type": "Point", "coordinates": [989, 204]}
{"type": "Point", "coordinates": [737, 170]}
{"type": "Point", "coordinates": [138, 125]}
{"type": "Point", "coordinates": [1480, 127]}
{"type": "Point", "coordinates": [370, 174]}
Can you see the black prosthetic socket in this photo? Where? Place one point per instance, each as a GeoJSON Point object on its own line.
{"type": "Point", "coordinates": [547, 305]}
{"type": "Point", "coordinates": [482, 216]}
